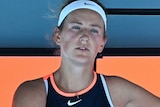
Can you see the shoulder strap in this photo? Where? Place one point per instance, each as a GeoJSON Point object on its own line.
{"type": "Point", "coordinates": [45, 79]}
{"type": "Point", "coordinates": [106, 90]}
{"type": "Point", "coordinates": [46, 85]}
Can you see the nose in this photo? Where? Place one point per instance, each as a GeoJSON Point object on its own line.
{"type": "Point", "coordinates": [85, 37]}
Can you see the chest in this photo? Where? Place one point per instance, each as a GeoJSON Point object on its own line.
{"type": "Point", "coordinates": [95, 97]}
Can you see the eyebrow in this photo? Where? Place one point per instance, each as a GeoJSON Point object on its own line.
{"type": "Point", "coordinates": [76, 23]}
{"type": "Point", "coordinates": [96, 25]}
{"type": "Point", "coordinates": [92, 25]}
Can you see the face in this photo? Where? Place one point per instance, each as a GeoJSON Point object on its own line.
{"type": "Point", "coordinates": [82, 35]}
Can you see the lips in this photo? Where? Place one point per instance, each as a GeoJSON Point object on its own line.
{"type": "Point", "coordinates": [83, 48]}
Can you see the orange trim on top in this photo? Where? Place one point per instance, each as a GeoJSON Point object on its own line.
{"type": "Point", "coordinates": [73, 94]}
{"type": "Point", "coordinates": [46, 77]}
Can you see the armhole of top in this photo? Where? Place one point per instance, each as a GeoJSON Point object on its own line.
{"type": "Point", "coordinates": [46, 85]}
{"type": "Point", "coordinates": [106, 90]}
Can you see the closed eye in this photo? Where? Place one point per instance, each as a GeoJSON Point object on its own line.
{"type": "Point", "coordinates": [94, 31]}
{"type": "Point", "coordinates": [75, 28]}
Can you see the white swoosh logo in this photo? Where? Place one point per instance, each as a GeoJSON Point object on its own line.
{"type": "Point", "coordinates": [73, 103]}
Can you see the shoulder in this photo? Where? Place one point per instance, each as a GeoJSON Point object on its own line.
{"type": "Point", "coordinates": [125, 93]}
{"type": "Point", "coordinates": [118, 88]}
{"type": "Point", "coordinates": [30, 94]}
{"type": "Point", "coordinates": [119, 83]}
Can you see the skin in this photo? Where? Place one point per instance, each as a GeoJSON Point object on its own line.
{"type": "Point", "coordinates": [80, 40]}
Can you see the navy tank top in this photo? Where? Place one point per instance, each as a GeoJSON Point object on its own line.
{"type": "Point", "coordinates": [96, 95]}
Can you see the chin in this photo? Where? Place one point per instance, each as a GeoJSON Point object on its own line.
{"type": "Point", "coordinates": [83, 59]}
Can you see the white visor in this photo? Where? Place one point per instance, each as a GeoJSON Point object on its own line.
{"type": "Point", "coordinates": [82, 4]}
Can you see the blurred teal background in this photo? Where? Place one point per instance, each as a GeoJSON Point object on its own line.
{"type": "Point", "coordinates": [30, 24]}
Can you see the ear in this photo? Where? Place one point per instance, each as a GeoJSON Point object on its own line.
{"type": "Point", "coordinates": [102, 45]}
{"type": "Point", "coordinates": [57, 37]}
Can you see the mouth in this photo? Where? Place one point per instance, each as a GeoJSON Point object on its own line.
{"type": "Point", "coordinates": [83, 48]}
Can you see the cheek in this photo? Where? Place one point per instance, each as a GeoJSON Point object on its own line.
{"type": "Point", "coordinates": [67, 40]}
{"type": "Point", "coordinates": [99, 43]}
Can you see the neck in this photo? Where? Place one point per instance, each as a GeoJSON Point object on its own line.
{"type": "Point", "coordinates": [73, 80]}
{"type": "Point", "coordinates": [74, 76]}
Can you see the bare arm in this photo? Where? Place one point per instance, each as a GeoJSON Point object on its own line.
{"type": "Point", "coordinates": [128, 94]}
{"type": "Point", "coordinates": [30, 94]}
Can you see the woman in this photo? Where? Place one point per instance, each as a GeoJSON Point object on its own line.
{"type": "Point", "coordinates": [81, 36]}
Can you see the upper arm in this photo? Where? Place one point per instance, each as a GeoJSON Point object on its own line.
{"type": "Point", "coordinates": [140, 97]}
{"type": "Point", "coordinates": [127, 94]}
{"type": "Point", "coordinates": [30, 94]}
